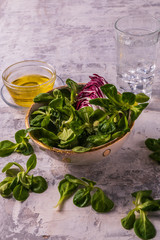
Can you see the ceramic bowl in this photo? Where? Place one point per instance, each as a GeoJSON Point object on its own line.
{"type": "Point", "coordinates": [68, 156]}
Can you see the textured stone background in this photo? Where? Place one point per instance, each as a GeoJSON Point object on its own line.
{"type": "Point", "coordinates": [77, 37]}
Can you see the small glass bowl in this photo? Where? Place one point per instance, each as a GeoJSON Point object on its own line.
{"type": "Point", "coordinates": [25, 80]}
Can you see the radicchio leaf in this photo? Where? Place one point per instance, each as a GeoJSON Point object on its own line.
{"type": "Point", "coordinates": [91, 91]}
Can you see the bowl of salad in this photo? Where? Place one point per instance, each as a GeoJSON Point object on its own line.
{"type": "Point", "coordinates": [83, 123]}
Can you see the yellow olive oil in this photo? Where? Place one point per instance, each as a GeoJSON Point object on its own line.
{"type": "Point", "coordinates": [27, 87]}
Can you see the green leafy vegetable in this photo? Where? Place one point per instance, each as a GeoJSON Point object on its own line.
{"type": "Point", "coordinates": [31, 163]}
{"type": "Point", "coordinates": [141, 98]}
{"type": "Point", "coordinates": [90, 182]}
{"type": "Point", "coordinates": [136, 110]}
{"type": "Point", "coordinates": [143, 228]}
{"type": "Point", "coordinates": [150, 205]}
{"type": "Point", "coordinates": [22, 145]}
{"type": "Point", "coordinates": [73, 179]}
{"type": "Point", "coordinates": [19, 183]}
{"type": "Point", "coordinates": [6, 148]}
{"type": "Point", "coordinates": [39, 184]}
{"type": "Point", "coordinates": [154, 145]}
{"type": "Point", "coordinates": [66, 189]}
{"type": "Point", "coordinates": [128, 221]}
{"type": "Point", "coordinates": [128, 97]}
{"type": "Point", "coordinates": [83, 196]}
{"type": "Point", "coordinates": [43, 97]}
{"type": "Point", "coordinates": [142, 196]}
{"type": "Point", "coordinates": [100, 202]}
{"type": "Point", "coordinates": [81, 149]}
{"type": "Point", "coordinates": [74, 89]}
{"type": "Point", "coordinates": [5, 190]}
{"type": "Point", "coordinates": [20, 193]}
{"type": "Point", "coordinates": [144, 203]}
{"type": "Point", "coordinates": [12, 172]}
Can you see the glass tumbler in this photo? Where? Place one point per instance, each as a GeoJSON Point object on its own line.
{"type": "Point", "coordinates": [137, 46]}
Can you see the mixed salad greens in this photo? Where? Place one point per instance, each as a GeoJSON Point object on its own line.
{"type": "Point", "coordinates": [82, 117]}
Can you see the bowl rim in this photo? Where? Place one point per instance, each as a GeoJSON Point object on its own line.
{"type": "Point", "coordinates": [69, 151]}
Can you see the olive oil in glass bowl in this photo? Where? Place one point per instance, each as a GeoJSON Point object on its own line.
{"type": "Point", "coordinates": [25, 80]}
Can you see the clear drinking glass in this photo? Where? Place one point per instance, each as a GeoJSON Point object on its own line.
{"type": "Point", "coordinates": [137, 46]}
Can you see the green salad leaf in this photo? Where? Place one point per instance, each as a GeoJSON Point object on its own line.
{"type": "Point", "coordinates": [100, 202]}
{"type": "Point", "coordinates": [143, 228]}
{"type": "Point", "coordinates": [154, 145]}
